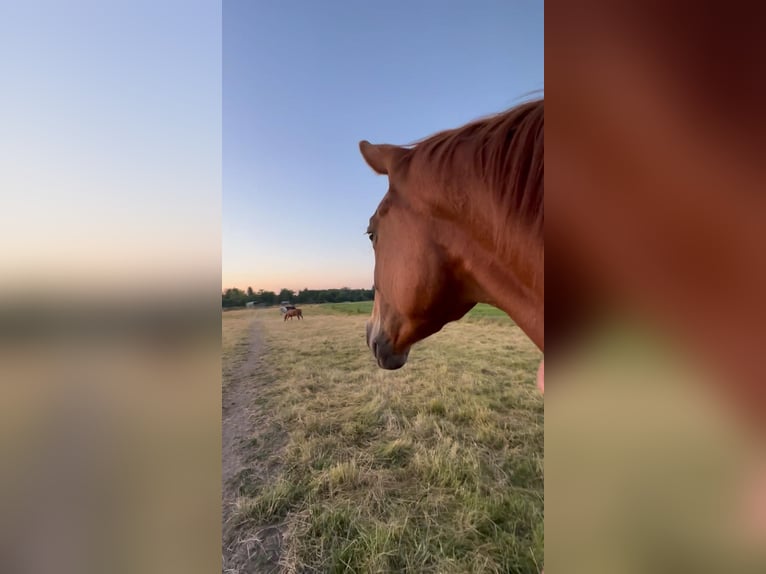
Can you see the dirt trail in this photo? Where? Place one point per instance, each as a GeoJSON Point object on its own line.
{"type": "Point", "coordinates": [242, 421]}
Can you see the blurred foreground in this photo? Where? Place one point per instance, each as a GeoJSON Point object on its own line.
{"type": "Point", "coordinates": [656, 402]}
{"type": "Point", "coordinates": [110, 437]}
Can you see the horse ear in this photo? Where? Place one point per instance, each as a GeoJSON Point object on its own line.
{"type": "Point", "coordinates": [378, 156]}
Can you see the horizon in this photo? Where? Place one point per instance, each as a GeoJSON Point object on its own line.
{"type": "Point", "coordinates": [257, 289]}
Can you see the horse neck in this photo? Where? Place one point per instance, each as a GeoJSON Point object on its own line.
{"type": "Point", "coordinates": [507, 274]}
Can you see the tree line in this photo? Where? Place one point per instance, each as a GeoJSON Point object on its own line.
{"type": "Point", "coordinates": [234, 297]}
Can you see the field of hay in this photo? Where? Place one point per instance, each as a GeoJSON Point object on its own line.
{"type": "Point", "coordinates": [436, 467]}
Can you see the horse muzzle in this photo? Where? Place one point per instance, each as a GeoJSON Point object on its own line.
{"type": "Point", "coordinates": [382, 348]}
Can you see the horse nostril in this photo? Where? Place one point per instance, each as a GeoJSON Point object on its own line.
{"type": "Point", "coordinates": [374, 347]}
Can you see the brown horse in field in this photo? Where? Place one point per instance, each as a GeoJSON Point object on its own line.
{"type": "Point", "coordinates": [461, 223]}
{"type": "Point", "coordinates": [293, 313]}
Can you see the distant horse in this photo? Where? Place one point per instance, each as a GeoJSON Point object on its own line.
{"type": "Point", "coordinates": [461, 223]}
{"type": "Point", "coordinates": [294, 313]}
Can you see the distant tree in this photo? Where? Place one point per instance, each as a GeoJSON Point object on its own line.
{"type": "Point", "coordinates": [270, 298]}
{"type": "Point", "coordinates": [233, 297]}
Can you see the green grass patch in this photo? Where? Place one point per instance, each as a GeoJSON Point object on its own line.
{"type": "Point", "coordinates": [487, 312]}
{"type": "Point", "coordinates": [481, 311]}
{"type": "Point", "coordinates": [355, 308]}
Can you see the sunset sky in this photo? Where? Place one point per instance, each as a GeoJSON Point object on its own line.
{"type": "Point", "coordinates": [110, 153]}
{"type": "Point", "coordinates": [303, 82]}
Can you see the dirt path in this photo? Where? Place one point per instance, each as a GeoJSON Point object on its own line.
{"type": "Point", "coordinates": [243, 421]}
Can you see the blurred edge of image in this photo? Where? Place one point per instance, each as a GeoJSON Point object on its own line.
{"type": "Point", "coordinates": [110, 287]}
{"type": "Point", "coordinates": [656, 400]}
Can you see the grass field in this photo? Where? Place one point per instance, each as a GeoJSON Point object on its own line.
{"type": "Point", "coordinates": [437, 467]}
{"type": "Point", "coordinates": [479, 312]}
{"type": "Point", "coordinates": [234, 342]}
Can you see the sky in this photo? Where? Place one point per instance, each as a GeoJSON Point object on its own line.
{"type": "Point", "coordinates": [303, 82]}
{"type": "Point", "coordinates": [110, 151]}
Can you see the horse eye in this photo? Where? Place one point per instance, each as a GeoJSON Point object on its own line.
{"type": "Point", "coordinates": [371, 235]}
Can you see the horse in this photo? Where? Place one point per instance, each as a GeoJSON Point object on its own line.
{"type": "Point", "coordinates": [294, 313]}
{"type": "Point", "coordinates": [461, 223]}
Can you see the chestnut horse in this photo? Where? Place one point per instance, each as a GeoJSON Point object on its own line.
{"type": "Point", "coordinates": [461, 223]}
{"type": "Point", "coordinates": [294, 313]}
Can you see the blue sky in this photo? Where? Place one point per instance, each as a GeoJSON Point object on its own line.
{"type": "Point", "coordinates": [110, 151]}
{"type": "Point", "coordinates": [303, 82]}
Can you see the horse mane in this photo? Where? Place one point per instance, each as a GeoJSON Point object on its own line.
{"type": "Point", "coordinates": [507, 150]}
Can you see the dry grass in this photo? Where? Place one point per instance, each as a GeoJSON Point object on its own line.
{"type": "Point", "coordinates": [437, 467]}
{"type": "Point", "coordinates": [235, 328]}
